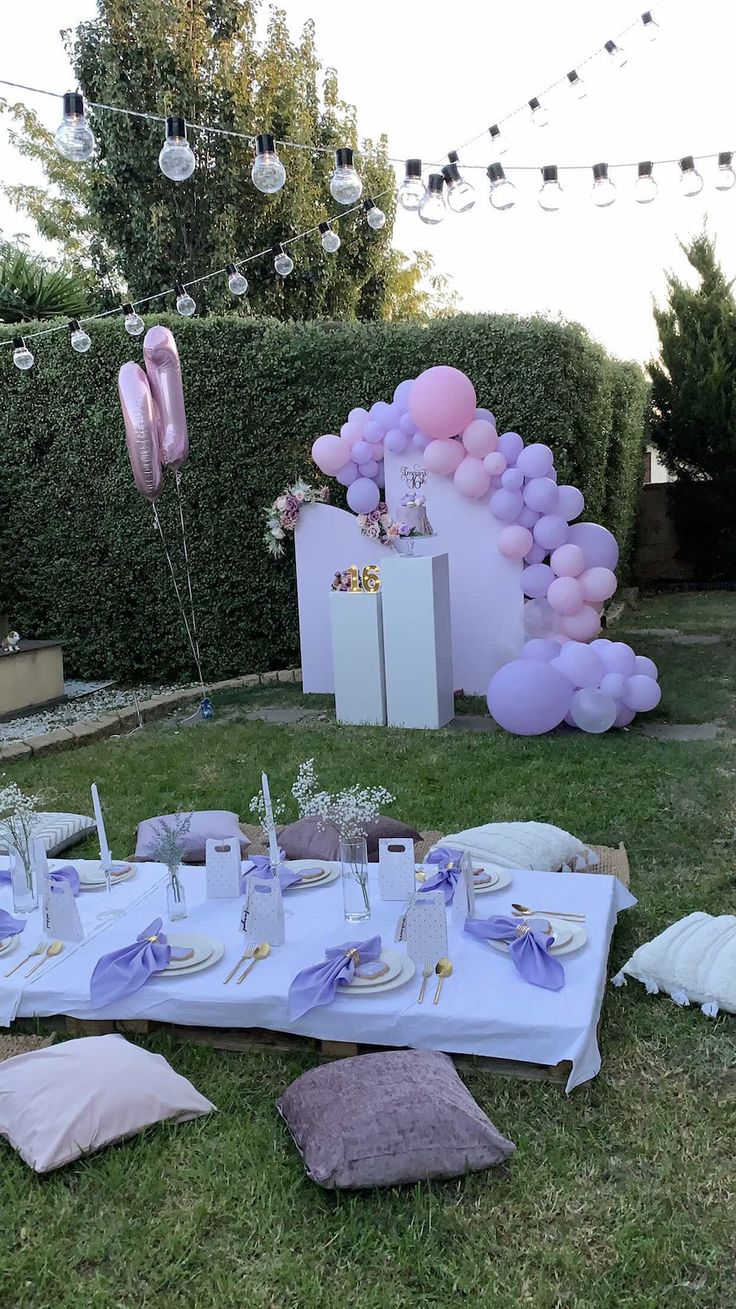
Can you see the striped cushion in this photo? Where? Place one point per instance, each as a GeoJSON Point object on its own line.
{"type": "Point", "coordinates": [57, 831]}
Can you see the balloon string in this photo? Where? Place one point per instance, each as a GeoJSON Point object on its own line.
{"type": "Point", "coordinates": [195, 652]}
{"type": "Point", "coordinates": [185, 548]}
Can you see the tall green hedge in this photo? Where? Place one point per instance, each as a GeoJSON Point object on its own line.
{"type": "Point", "coordinates": [78, 556]}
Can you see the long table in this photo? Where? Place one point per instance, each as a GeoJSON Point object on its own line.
{"type": "Point", "coordinates": [486, 1008]}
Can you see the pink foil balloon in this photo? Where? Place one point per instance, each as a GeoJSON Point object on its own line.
{"type": "Point", "coordinates": [570, 503]}
{"type": "Point", "coordinates": [568, 561]}
{"type": "Point", "coordinates": [443, 457]}
{"type": "Point", "coordinates": [442, 402]}
{"type": "Point", "coordinates": [495, 463]}
{"type": "Point", "coordinates": [330, 454]}
{"type": "Point", "coordinates": [551, 532]}
{"type": "Point", "coordinates": [471, 478]}
{"type": "Point", "coordinates": [535, 580]}
{"type": "Point", "coordinates": [141, 430]}
{"type": "Point", "coordinates": [583, 625]}
{"type": "Point", "coordinates": [163, 370]}
{"type": "Point", "coordinates": [513, 542]}
{"type": "Point", "coordinates": [565, 595]}
{"type": "Point", "coordinates": [480, 438]}
{"type": "Point", "coordinates": [598, 584]}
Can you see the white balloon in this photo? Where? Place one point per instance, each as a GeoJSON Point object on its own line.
{"type": "Point", "coordinates": [593, 711]}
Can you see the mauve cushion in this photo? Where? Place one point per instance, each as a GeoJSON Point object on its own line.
{"type": "Point", "coordinates": [304, 840]}
{"type": "Point", "coordinates": [204, 823]}
{"type": "Point", "coordinates": [387, 1119]}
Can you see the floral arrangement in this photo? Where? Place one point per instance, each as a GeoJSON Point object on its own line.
{"type": "Point", "coordinates": [257, 807]}
{"type": "Point", "coordinates": [281, 516]}
{"type": "Point", "coordinates": [168, 845]}
{"type": "Point", "coordinates": [350, 811]}
{"type": "Point", "coordinates": [19, 820]}
{"type": "Point", "coordinates": [379, 526]}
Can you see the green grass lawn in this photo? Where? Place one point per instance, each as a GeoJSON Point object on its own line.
{"type": "Point", "coordinates": [618, 1196]}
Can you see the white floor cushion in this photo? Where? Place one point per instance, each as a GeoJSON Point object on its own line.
{"type": "Point", "coordinates": [540, 846]}
{"type": "Point", "coordinates": [693, 960]}
{"type": "Point", "coordinates": [57, 831]}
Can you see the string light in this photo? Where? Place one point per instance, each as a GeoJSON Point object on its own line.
{"type": "Point", "coordinates": [22, 357]}
{"type": "Point", "coordinates": [375, 217]}
{"type": "Point", "coordinates": [604, 192]}
{"type": "Point", "coordinates": [73, 138]}
{"type": "Point", "coordinates": [237, 282]}
{"type": "Point", "coordinates": [282, 262]}
{"type": "Point", "coordinates": [185, 305]}
{"type": "Point", "coordinates": [650, 25]}
{"type": "Point", "coordinates": [345, 184]}
{"type": "Point", "coordinates": [432, 207]}
{"type": "Point", "coordinates": [551, 194]}
{"type": "Point", "coordinates": [176, 159]}
{"type": "Point", "coordinates": [725, 177]}
{"type": "Point", "coordinates": [80, 341]}
{"type": "Point", "coordinates": [503, 192]}
{"type": "Point", "coordinates": [691, 183]}
{"type": "Point", "coordinates": [133, 323]}
{"type": "Point", "coordinates": [268, 173]}
{"type": "Point", "coordinates": [577, 85]}
{"type": "Point", "coordinates": [412, 189]}
{"type": "Point", "coordinates": [645, 187]}
{"type": "Point", "coordinates": [330, 240]}
{"type": "Point", "coordinates": [618, 55]}
{"type": "Point", "coordinates": [498, 140]}
{"type": "Point", "coordinates": [540, 118]}
{"type": "Point", "coordinates": [460, 194]}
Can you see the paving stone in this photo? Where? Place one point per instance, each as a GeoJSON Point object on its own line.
{"type": "Point", "coordinates": [15, 750]}
{"type": "Point", "coordinates": [49, 742]}
{"type": "Point", "coordinates": [286, 716]}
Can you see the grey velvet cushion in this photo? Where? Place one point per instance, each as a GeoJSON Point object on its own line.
{"type": "Point", "coordinates": [304, 840]}
{"type": "Point", "coordinates": [387, 1119]}
{"type": "Point", "coordinates": [204, 823]}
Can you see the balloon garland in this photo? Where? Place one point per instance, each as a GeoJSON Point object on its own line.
{"type": "Point", "coordinates": [566, 672]}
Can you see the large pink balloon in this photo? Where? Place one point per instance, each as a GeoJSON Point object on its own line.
{"type": "Point", "coordinates": [642, 693]}
{"type": "Point", "coordinates": [442, 402]}
{"type": "Point", "coordinates": [363, 496]}
{"type": "Point", "coordinates": [551, 531]}
{"type": "Point", "coordinates": [580, 664]}
{"type": "Point", "coordinates": [141, 429]}
{"type": "Point", "coordinates": [540, 493]}
{"type": "Point", "coordinates": [529, 697]}
{"type": "Point", "coordinates": [330, 454]}
{"type": "Point", "coordinates": [568, 561]}
{"type": "Point", "coordinates": [161, 358]}
{"type": "Point", "coordinates": [480, 438]}
{"type": "Point", "coordinates": [513, 542]}
{"type": "Point", "coordinates": [536, 579]}
{"type": "Point", "coordinates": [597, 544]}
{"type": "Point", "coordinates": [583, 625]}
{"type": "Point", "coordinates": [570, 503]}
{"type": "Point", "coordinates": [443, 457]}
{"type": "Point", "coordinates": [495, 463]}
{"type": "Point", "coordinates": [536, 460]}
{"type": "Point", "coordinates": [565, 595]}
{"type": "Point", "coordinates": [471, 478]}
{"type": "Point", "coordinates": [506, 505]}
{"type": "Point", "coordinates": [598, 584]}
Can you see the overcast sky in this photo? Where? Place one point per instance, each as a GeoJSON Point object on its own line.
{"type": "Point", "coordinates": [433, 76]}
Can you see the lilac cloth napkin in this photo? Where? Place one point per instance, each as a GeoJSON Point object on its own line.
{"type": "Point", "coordinates": [529, 950]}
{"type": "Point", "coordinates": [10, 926]}
{"type": "Point", "coordinates": [66, 874]}
{"type": "Point", "coordinates": [123, 971]}
{"type": "Point", "coordinates": [261, 866]}
{"type": "Point", "coordinates": [318, 984]}
{"type": "Point", "coordinates": [446, 878]}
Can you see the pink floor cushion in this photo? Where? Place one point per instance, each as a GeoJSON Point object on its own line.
{"type": "Point", "coordinates": [305, 840]}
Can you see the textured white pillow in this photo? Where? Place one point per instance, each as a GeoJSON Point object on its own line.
{"type": "Point", "coordinates": [57, 831]}
{"type": "Point", "coordinates": [524, 845]}
{"type": "Point", "coordinates": [693, 960]}
{"type": "Point", "coordinates": [73, 1098]}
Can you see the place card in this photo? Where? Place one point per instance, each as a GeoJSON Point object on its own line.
{"type": "Point", "coordinates": [463, 904]}
{"type": "Point", "coordinates": [396, 871]}
{"type": "Point", "coordinates": [61, 921]}
{"type": "Point", "coordinates": [222, 868]}
{"type": "Point", "coordinates": [425, 928]}
{"type": "Point", "coordinates": [263, 913]}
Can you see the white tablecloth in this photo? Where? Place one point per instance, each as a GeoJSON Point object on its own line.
{"type": "Point", "coordinates": [486, 1007]}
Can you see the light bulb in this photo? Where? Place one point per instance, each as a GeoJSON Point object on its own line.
{"type": "Point", "coordinates": [73, 138]}
{"type": "Point", "coordinates": [185, 305]}
{"type": "Point", "coordinates": [725, 177]}
{"type": "Point", "coordinates": [432, 207]}
{"type": "Point", "coordinates": [374, 216]}
{"type": "Point", "coordinates": [619, 56]}
{"type": "Point", "coordinates": [345, 185]}
{"type": "Point", "coordinates": [22, 357]}
{"type": "Point", "coordinates": [460, 194]}
{"type": "Point", "coordinates": [539, 113]}
{"type": "Point", "coordinates": [268, 173]}
{"type": "Point", "coordinates": [577, 85]}
{"type": "Point", "coordinates": [651, 27]}
{"type": "Point", "coordinates": [498, 140]}
{"type": "Point", "coordinates": [281, 261]}
{"type": "Point", "coordinates": [691, 183]}
{"type": "Point", "coordinates": [176, 159]}
{"type": "Point", "coordinates": [503, 192]}
{"type": "Point", "coordinates": [330, 239]}
{"type": "Point", "coordinates": [133, 323]}
{"type": "Point", "coordinates": [236, 281]}
{"type": "Point", "coordinates": [551, 195]}
{"type": "Point", "coordinates": [645, 187]}
{"type": "Point", "coordinates": [80, 341]}
{"type": "Point", "coordinates": [604, 192]}
{"type": "Point", "coordinates": [412, 189]}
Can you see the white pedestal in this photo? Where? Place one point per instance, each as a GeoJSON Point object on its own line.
{"type": "Point", "coordinates": [417, 641]}
{"type": "Point", "coordinates": [357, 656]}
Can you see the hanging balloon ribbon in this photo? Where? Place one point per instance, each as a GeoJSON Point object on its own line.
{"type": "Point", "coordinates": [157, 438]}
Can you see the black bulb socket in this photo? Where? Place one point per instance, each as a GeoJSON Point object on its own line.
{"type": "Point", "coordinates": [435, 183]}
{"type": "Point", "coordinates": [572, 77]}
{"type": "Point", "coordinates": [344, 157]}
{"type": "Point", "coordinates": [534, 104]}
{"type": "Point", "coordinates": [495, 131]}
{"type": "Point", "coordinates": [687, 164]}
{"type": "Point", "coordinates": [128, 309]}
{"type": "Point", "coordinates": [414, 168]}
{"type": "Point", "coordinates": [325, 227]}
{"type": "Point", "coordinates": [265, 144]}
{"type": "Point", "coordinates": [451, 174]}
{"type": "Point", "coordinates": [646, 18]}
{"type": "Point", "coordinates": [453, 156]}
{"type": "Point", "coordinates": [549, 173]}
{"type": "Point", "coordinates": [369, 204]}
{"type": "Point", "coordinates": [644, 169]}
{"type": "Point", "coordinates": [176, 126]}
{"type": "Point", "coordinates": [73, 104]}
{"type": "Point", "coordinates": [495, 172]}
{"type": "Point", "coordinates": [19, 343]}
{"type": "Point", "coordinates": [277, 249]}
{"type": "Point", "coordinates": [600, 172]}
{"type": "Point", "coordinates": [180, 289]}
{"type": "Point", "coordinates": [611, 47]}
{"type": "Point", "coordinates": [725, 158]}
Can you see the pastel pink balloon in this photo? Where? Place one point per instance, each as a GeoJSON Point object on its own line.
{"type": "Point", "coordinates": [536, 460]}
{"type": "Point", "coordinates": [614, 685]}
{"type": "Point", "coordinates": [642, 693]}
{"type": "Point", "coordinates": [551, 531]}
{"type": "Point", "coordinates": [536, 579]}
{"type": "Point", "coordinates": [495, 463]}
{"type": "Point", "coordinates": [442, 402]}
{"type": "Point", "coordinates": [568, 561]}
{"type": "Point", "coordinates": [443, 457]}
{"type": "Point", "coordinates": [396, 440]}
{"type": "Point", "coordinates": [471, 478]}
{"type": "Point", "coordinates": [598, 584]}
{"type": "Point", "coordinates": [141, 430]}
{"type": "Point", "coordinates": [565, 595]}
{"type": "Point", "coordinates": [480, 438]}
{"type": "Point", "coordinates": [506, 505]}
{"type": "Point", "coordinates": [583, 625]}
{"type": "Point", "coordinates": [350, 433]}
{"type": "Point", "coordinates": [646, 667]}
{"type": "Point", "coordinates": [618, 657]}
{"type": "Point", "coordinates": [513, 542]}
{"type": "Point", "coordinates": [529, 697]}
{"type": "Point", "coordinates": [511, 445]}
{"type": "Point", "coordinates": [540, 493]}
{"type": "Point", "coordinates": [163, 369]}
{"type": "Point", "coordinates": [330, 454]}
{"type": "Point", "coordinates": [543, 650]}
{"type": "Point", "coordinates": [535, 555]}
{"type": "Point", "coordinates": [363, 496]}
{"type": "Point", "coordinates": [570, 503]}
{"type": "Point", "coordinates": [624, 716]}
{"type": "Point", "coordinates": [580, 663]}
{"type": "Point", "coordinates": [348, 474]}
{"type": "Point", "coordinates": [597, 543]}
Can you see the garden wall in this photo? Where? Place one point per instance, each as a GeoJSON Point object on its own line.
{"type": "Point", "coordinates": [79, 560]}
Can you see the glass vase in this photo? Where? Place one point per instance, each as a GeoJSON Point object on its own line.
{"type": "Point", "coordinates": [354, 868]}
{"type": "Point", "coordinates": [23, 882]}
{"type": "Point", "coordinates": [176, 900]}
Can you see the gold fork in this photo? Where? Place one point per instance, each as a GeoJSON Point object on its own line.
{"type": "Point", "coordinates": [425, 978]}
{"type": "Point", "coordinates": [40, 949]}
{"type": "Point", "coordinates": [248, 955]}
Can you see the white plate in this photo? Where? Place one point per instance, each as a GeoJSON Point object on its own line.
{"type": "Point", "coordinates": [201, 945]}
{"type": "Point", "coordinates": [332, 871]}
{"type": "Point", "coordinates": [563, 942]}
{"type": "Point", "coordinates": [394, 960]}
{"type": "Point", "coordinates": [407, 972]}
{"type": "Point", "coordinates": [8, 943]}
{"type": "Point", "coordinates": [93, 879]}
{"type": "Point", "coordinates": [218, 950]}
{"type": "Point", "coordinates": [503, 879]}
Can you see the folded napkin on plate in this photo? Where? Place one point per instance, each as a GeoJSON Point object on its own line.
{"type": "Point", "coordinates": [318, 984]}
{"type": "Point", "coordinates": [528, 947]}
{"type": "Point", "coordinates": [10, 926]}
{"type": "Point", "coordinates": [261, 866]}
{"type": "Point", "coordinates": [446, 877]}
{"type": "Point", "coordinates": [123, 971]}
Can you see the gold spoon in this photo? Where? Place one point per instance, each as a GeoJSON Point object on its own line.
{"type": "Point", "coordinates": [40, 949]}
{"type": "Point", "coordinates": [260, 952]}
{"type": "Point", "coordinates": [525, 911]}
{"type": "Point", "coordinates": [425, 978]}
{"type": "Point", "coordinates": [55, 948]}
{"type": "Point", "coordinates": [248, 955]}
{"type": "Point", "coordinates": [443, 970]}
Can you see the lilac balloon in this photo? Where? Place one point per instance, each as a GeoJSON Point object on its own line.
{"type": "Point", "coordinates": [614, 685]}
{"type": "Point", "coordinates": [528, 518]}
{"type": "Point", "coordinates": [420, 441]}
{"type": "Point", "coordinates": [540, 494]}
{"type": "Point", "coordinates": [402, 393]}
{"type": "Point", "coordinates": [487, 415]}
{"type": "Point", "coordinates": [551, 531]}
{"type": "Point", "coordinates": [535, 555]}
{"type": "Point", "coordinates": [529, 697]}
{"type": "Point", "coordinates": [396, 440]}
{"type": "Point", "coordinates": [350, 433]}
{"type": "Point", "coordinates": [506, 505]}
{"type": "Point", "coordinates": [536, 460]}
{"type": "Point", "coordinates": [593, 710]}
{"type": "Point", "coordinates": [380, 411]}
{"type": "Point", "coordinates": [597, 544]}
{"type": "Point", "coordinates": [348, 474]}
{"type": "Point", "coordinates": [407, 425]}
{"type": "Point", "coordinates": [373, 431]}
{"type": "Point", "coordinates": [642, 693]}
{"type": "Point", "coordinates": [618, 657]}
{"type": "Point", "coordinates": [580, 664]}
{"type": "Point", "coordinates": [369, 468]}
{"type": "Point", "coordinates": [362, 451]}
{"type": "Point", "coordinates": [511, 445]}
{"type": "Point", "coordinates": [536, 579]}
{"type": "Point", "coordinates": [163, 369]}
{"type": "Point", "coordinates": [512, 479]}
{"type": "Point", "coordinates": [359, 417]}
{"type": "Point", "coordinates": [570, 503]}
{"type": "Point", "coordinates": [379, 476]}
{"type": "Point", "coordinates": [624, 716]}
{"type": "Point", "coordinates": [141, 433]}
{"type": "Point", "coordinates": [543, 650]}
{"type": "Point", "coordinates": [363, 496]}
{"type": "Point", "coordinates": [646, 667]}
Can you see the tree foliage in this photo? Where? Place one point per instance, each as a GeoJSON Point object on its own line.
{"type": "Point", "coordinates": [30, 289]}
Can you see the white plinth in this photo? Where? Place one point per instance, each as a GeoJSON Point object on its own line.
{"type": "Point", "coordinates": [417, 641]}
{"type": "Point", "coordinates": [357, 657]}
